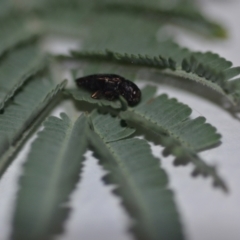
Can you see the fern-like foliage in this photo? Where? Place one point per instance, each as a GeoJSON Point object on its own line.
{"type": "Point", "coordinates": [14, 31]}
{"type": "Point", "coordinates": [16, 67]}
{"type": "Point", "coordinates": [170, 120]}
{"type": "Point", "coordinates": [55, 160]}
{"type": "Point", "coordinates": [97, 30]}
{"type": "Point", "coordinates": [140, 182]}
{"type": "Point", "coordinates": [73, 15]}
{"type": "Point", "coordinates": [50, 174]}
{"type": "Point", "coordinates": [206, 68]}
{"type": "Point", "coordinates": [5, 6]}
{"type": "Point", "coordinates": [183, 137]}
{"type": "Point", "coordinates": [18, 117]}
{"type": "Point", "coordinates": [182, 15]}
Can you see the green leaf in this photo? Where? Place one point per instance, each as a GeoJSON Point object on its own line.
{"type": "Point", "coordinates": [14, 31]}
{"type": "Point", "coordinates": [141, 183]}
{"type": "Point", "coordinates": [20, 114]}
{"type": "Point", "coordinates": [50, 175]}
{"type": "Point", "coordinates": [232, 72]}
{"type": "Point", "coordinates": [16, 67]}
{"type": "Point", "coordinates": [5, 7]}
{"type": "Point", "coordinates": [206, 68]}
{"type": "Point", "coordinates": [84, 95]}
{"type": "Point", "coordinates": [63, 17]}
{"type": "Point", "coordinates": [86, 18]}
{"type": "Point", "coordinates": [113, 129]}
{"type": "Point", "coordinates": [87, 24]}
{"type": "Point", "coordinates": [180, 15]}
{"type": "Point", "coordinates": [235, 86]}
{"type": "Point", "coordinates": [181, 136]}
{"type": "Point", "coordinates": [170, 117]}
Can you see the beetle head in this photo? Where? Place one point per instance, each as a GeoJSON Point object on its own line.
{"type": "Point", "coordinates": [130, 92]}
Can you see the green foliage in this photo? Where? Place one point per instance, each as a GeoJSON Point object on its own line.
{"type": "Point", "coordinates": [97, 30]}
{"type": "Point", "coordinates": [5, 6]}
{"type": "Point", "coordinates": [50, 174]}
{"type": "Point", "coordinates": [17, 66]}
{"type": "Point", "coordinates": [180, 15]}
{"type": "Point", "coordinates": [177, 62]}
{"type": "Point", "coordinates": [170, 121]}
{"type": "Point", "coordinates": [140, 182]}
{"type": "Point", "coordinates": [181, 136]}
{"type": "Point", "coordinates": [170, 118]}
{"type": "Point", "coordinates": [109, 128]}
{"type": "Point", "coordinates": [86, 18]}
{"type": "Point", "coordinates": [14, 31]}
{"type": "Point", "coordinates": [27, 94]}
{"type": "Point", "coordinates": [20, 114]}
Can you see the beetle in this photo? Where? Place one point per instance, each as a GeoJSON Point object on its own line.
{"type": "Point", "coordinates": [110, 86]}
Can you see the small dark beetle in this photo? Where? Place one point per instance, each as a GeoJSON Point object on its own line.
{"type": "Point", "coordinates": [111, 86]}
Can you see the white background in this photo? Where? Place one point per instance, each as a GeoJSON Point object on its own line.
{"type": "Point", "coordinates": [206, 213]}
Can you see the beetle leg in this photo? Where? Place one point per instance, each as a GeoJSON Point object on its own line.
{"type": "Point", "coordinates": [96, 94]}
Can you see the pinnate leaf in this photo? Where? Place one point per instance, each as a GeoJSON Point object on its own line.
{"type": "Point", "coordinates": [50, 174]}
{"type": "Point", "coordinates": [141, 183]}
